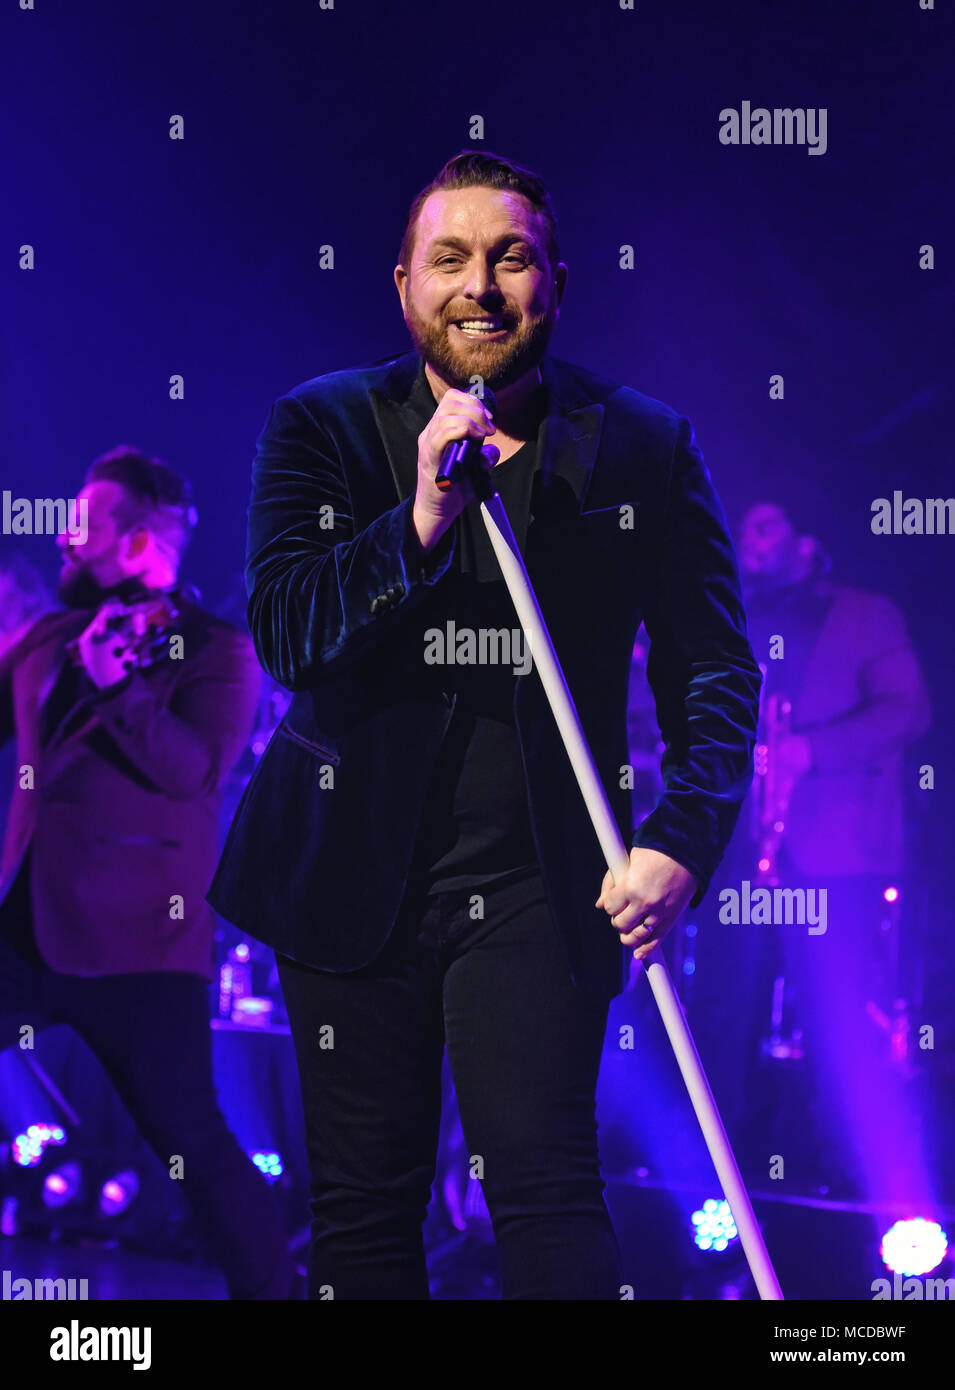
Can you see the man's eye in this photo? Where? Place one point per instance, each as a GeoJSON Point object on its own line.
{"type": "Point", "coordinates": [455, 260]}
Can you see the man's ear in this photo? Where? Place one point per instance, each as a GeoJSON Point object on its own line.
{"type": "Point", "coordinates": [401, 283]}
{"type": "Point", "coordinates": [137, 543]}
{"type": "Point", "coordinates": [560, 283]}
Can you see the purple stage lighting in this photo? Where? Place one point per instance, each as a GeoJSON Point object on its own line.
{"type": "Point", "coordinates": [914, 1246]}
{"type": "Point", "coordinates": [62, 1185]}
{"type": "Point", "coordinates": [118, 1193]}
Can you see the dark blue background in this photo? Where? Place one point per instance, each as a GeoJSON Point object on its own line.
{"type": "Point", "coordinates": [306, 126]}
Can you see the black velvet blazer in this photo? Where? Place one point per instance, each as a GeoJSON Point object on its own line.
{"type": "Point", "coordinates": [316, 861]}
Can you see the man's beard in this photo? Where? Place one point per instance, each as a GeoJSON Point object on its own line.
{"type": "Point", "coordinates": [499, 364]}
{"type": "Point", "coordinates": [77, 587]}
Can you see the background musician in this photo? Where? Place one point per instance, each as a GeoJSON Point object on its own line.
{"type": "Point", "coordinates": [122, 749]}
{"type": "Point", "coordinates": [843, 697]}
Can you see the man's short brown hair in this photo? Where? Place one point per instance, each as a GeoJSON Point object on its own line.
{"type": "Point", "coordinates": [482, 169]}
{"type": "Point", "coordinates": [156, 497]}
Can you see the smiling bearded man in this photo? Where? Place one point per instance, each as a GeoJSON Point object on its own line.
{"type": "Point", "coordinates": [413, 843]}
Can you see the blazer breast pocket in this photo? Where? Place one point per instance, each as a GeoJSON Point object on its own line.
{"type": "Point", "coordinates": [321, 745]}
{"type": "Point", "coordinates": [622, 518]}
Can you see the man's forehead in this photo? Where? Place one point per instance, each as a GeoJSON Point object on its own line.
{"type": "Point", "coordinates": [765, 513]}
{"type": "Point", "coordinates": [103, 493]}
{"type": "Point", "coordinates": [479, 213]}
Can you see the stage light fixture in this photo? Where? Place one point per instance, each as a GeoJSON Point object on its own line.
{"type": "Point", "coordinates": [28, 1147]}
{"type": "Point", "coordinates": [268, 1162]}
{"type": "Point", "coordinates": [62, 1185]}
{"type": "Point", "coordinates": [913, 1246]}
{"type": "Point", "coordinates": [118, 1193]}
{"type": "Point", "coordinates": [713, 1225]}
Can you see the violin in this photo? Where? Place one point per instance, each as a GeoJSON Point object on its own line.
{"type": "Point", "coordinates": [141, 629]}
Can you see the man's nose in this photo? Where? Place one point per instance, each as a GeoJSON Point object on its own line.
{"type": "Point", "coordinates": [480, 280]}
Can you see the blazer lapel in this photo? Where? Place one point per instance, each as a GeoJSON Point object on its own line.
{"type": "Point", "coordinates": [398, 427]}
{"type": "Point", "coordinates": [567, 440]}
{"type": "Point", "coordinates": [68, 725]}
{"type": "Point", "coordinates": [47, 660]}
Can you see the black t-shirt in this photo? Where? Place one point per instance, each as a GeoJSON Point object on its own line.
{"type": "Point", "coordinates": [475, 826]}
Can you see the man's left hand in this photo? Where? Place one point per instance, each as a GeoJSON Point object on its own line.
{"type": "Point", "coordinates": [105, 655]}
{"type": "Point", "coordinates": [647, 901]}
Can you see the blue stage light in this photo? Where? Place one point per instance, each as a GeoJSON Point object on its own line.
{"type": "Point", "coordinates": [268, 1162]}
{"type": "Point", "coordinates": [713, 1226]}
{"type": "Point", "coordinates": [28, 1147]}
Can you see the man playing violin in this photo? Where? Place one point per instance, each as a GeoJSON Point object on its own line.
{"type": "Point", "coordinates": [129, 708]}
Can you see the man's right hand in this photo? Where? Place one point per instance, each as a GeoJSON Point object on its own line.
{"type": "Point", "coordinates": [459, 415]}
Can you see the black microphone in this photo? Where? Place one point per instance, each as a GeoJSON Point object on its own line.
{"type": "Point", "coordinates": [462, 456]}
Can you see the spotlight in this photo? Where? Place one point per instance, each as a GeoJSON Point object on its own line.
{"type": "Point", "coordinates": [891, 895]}
{"type": "Point", "coordinates": [253, 1011]}
{"type": "Point", "coordinates": [62, 1185]}
{"type": "Point", "coordinates": [268, 1162]}
{"type": "Point", "coordinates": [118, 1193]}
{"type": "Point", "coordinates": [28, 1147]}
{"type": "Point", "coordinates": [8, 1216]}
{"type": "Point", "coordinates": [914, 1246]}
{"type": "Point", "coordinates": [713, 1226]}
{"type": "Point", "coordinates": [689, 962]}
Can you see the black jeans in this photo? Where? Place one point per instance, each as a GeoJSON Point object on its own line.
{"type": "Point", "coordinates": [151, 1033]}
{"type": "Point", "coordinates": [524, 1047]}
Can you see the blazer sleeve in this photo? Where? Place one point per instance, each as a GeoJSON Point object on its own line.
{"type": "Point", "coordinates": [187, 745]}
{"type": "Point", "coordinates": [320, 593]}
{"type": "Point", "coordinates": [22, 642]}
{"type": "Point", "coordinates": [703, 674]}
{"type": "Point", "coordinates": [893, 707]}
{"type": "Point", "coordinates": [7, 662]}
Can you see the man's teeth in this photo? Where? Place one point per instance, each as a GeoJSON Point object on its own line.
{"type": "Point", "coordinates": [480, 325]}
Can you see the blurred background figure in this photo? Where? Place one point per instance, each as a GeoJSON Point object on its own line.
{"type": "Point", "coordinates": [24, 596]}
{"type": "Point", "coordinates": [805, 1036]}
{"type": "Point", "coordinates": [126, 708]}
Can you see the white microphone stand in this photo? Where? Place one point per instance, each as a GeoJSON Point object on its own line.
{"type": "Point", "coordinates": [618, 861]}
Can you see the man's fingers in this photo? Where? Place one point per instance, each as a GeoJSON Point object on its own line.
{"type": "Point", "coordinates": [639, 931]}
{"type": "Point", "coordinates": [605, 888]}
{"type": "Point", "coordinates": [614, 898]}
{"type": "Point", "coordinates": [648, 948]}
{"type": "Point", "coordinates": [629, 915]}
